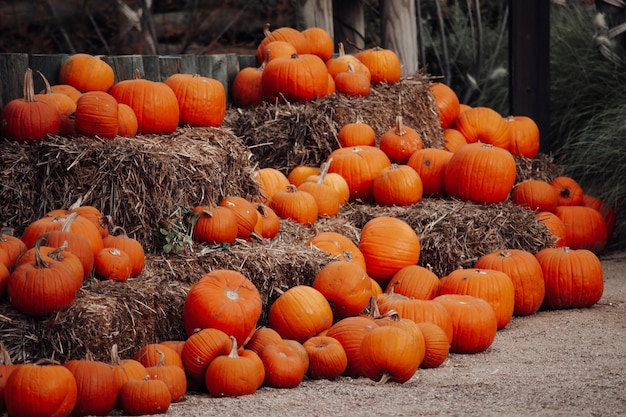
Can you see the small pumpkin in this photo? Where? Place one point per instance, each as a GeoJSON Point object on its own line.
{"type": "Point", "coordinates": [153, 353]}
{"type": "Point", "coordinates": [124, 370]}
{"type": "Point", "coordinates": [397, 185]}
{"type": "Point", "coordinates": [247, 88]}
{"type": "Point", "coordinates": [555, 225]}
{"type": "Point", "coordinates": [414, 281]}
{"type": "Point", "coordinates": [568, 190]}
{"type": "Point", "coordinates": [284, 365]}
{"type": "Point", "coordinates": [97, 115]}
{"type": "Point", "coordinates": [327, 198]}
{"type": "Point", "coordinates": [345, 285]}
{"type": "Point", "coordinates": [262, 337]}
{"type": "Point", "coordinates": [485, 125]}
{"type": "Point", "coordinates": [453, 139]}
{"type": "Point", "coordinates": [201, 100]}
{"type": "Point", "coordinates": [127, 121]}
{"type": "Point", "coordinates": [63, 103]}
{"type": "Point", "coordinates": [523, 136]}
{"type": "Point", "coordinates": [296, 78]}
{"type": "Point", "coordinates": [585, 228]}
{"type": "Point", "coordinates": [173, 376]}
{"type": "Point", "coordinates": [352, 83]}
{"type": "Point", "coordinates": [145, 397]}
{"type": "Point", "coordinates": [447, 103]}
{"type": "Point", "coordinates": [537, 195]}
{"type": "Point", "coordinates": [200, 349]}
{"type": "Point", "coordinates": [244, 211]}
{"type": "Point", "coordinates": [286, 34]}
{"type": "Point", "coordinates": [294, 204]}
{"type": "Point", "coordinates": [300, 173]}
{"type": "Point", "coordinates": [350, 332]}
{"type": "Point", "coordinates": [270, 222]}
{"type": "Point", "coordinates": [113, 263]}
{"type": "Point", "coordinates": [357, 133]}
{"type": "Point", "coordinates": [327, 358]}
{"type": "Point", "coordinates": [400, 142]}
{"type": "Point", "coordinates": [119, 239]}
{"type": "Point", "coordinates": [430, 164]}
{"type": "Point", "coordinates": [384, 64]}
{"type": "Point", "coordinates": [271, 180]}
{"type": "Point", "coordinates": [233, 374]}
{"type": "Point", "coordinates": [339, 245]}
{"type": "Point", "coordinates": [436, 345]}
{"type": "Point", "coordinates": [339, 63]}
{"type": "Point", "coordinates": [320, 42]}
{"type": "Point", "coordinates": [215, 225]}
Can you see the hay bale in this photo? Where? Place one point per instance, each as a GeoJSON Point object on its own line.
{"type": "Point", "coordinates": [284, 136]}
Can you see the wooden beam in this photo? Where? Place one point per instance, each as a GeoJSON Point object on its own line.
{"type": "Point", "coordinates": [529, 64]}
{"type": "Point", "coordinates": [399, 32]}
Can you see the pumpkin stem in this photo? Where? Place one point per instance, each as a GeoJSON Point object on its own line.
{"type": "Point", "coordinates": [341, 49]}
{"type": "Point", "coordinates": [66, 226]}
{"type": "Point", "coordinates": [77, 203]}
{"type": "Point", "coordinates": [29, 87]}
{"type": "Point", "coordinates": [40, 262]}
{"type": "Point", "coordinates": [384, 378]}
{"type": "Point", "coordinates": [119, 231]}
{"type": "Point", "coordinates": [323, 171]}
{"type": "Point", "coordinates": [162, 359]}
{"type": "Point", "coordinates": [115, 355]}
{"type": "Point", "coordinates": [266, 30]}
{"type": "Point", "coordinates": [45, 82]}
{"type": "Point", "coordinates": [233, 351]}
{"type": "Point", "coordinates": [400, 130]}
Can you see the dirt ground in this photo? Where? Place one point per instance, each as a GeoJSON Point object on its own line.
{"type": "Point", "coordinates": [554, 363]}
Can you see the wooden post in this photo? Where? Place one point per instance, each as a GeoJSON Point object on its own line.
{"type": "Point", "coordinates": [399, 32]}
{"type": "Point", "coordinates": [529, 64]}
{"type": "Point", "coordinates": [49, 65]}
{"type": "Point", "coordinates": [12, 70]}
{"type": "Point", "coordinates": [124, 66]}
{"type": "Point", "coordinates": [316, 13]}
{"type": "Point", "coordinates": [349, 24]}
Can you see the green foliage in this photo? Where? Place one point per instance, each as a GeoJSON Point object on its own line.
{"type": "Point", "coordinates": [178, 230]}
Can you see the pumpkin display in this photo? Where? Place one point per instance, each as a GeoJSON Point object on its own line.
{"type": "Point", "coordinates": [154, 103]}
{"type": "Point", "coordinates": [339, 245]}
{"type": "Point", "coordinates": [350, 332]}
{"type": "Point", "coordinates": [453, 139]}
{"type": "Point", "coordinates": [525, 273]}
{"type": "Point", "coordinates": [286, 34]}
{"type": "Point", "coordinates": [388, 244]}
{"type": "Point", "coordinates": [568, 191]}
{"type": "Point", "coordinates": [42, 389]}
{"type": "Point", "coordinates": [573, 277]}
{"type": "Point", "coordinates": [414, 281]}
{"type": "Point", "coordinates": [339, 63]}
{"type": "Point", "coordinates": [233, 374]}
{"type": "Point", "coordinates": [523, 136]}
{"type": "Point", "coordinates": [294, 204]}
{"type": "Point", "coordinates": [352, 82]}
{"type": "Point", "coordinates": [200, 349]}
{"type": "Point", "coordinates": [397, 185]}
{"type": "Point", "coordinates": [247, 87]}
{"type": "Point", "coordinates": [358, 165]}
{"type": "Point", "coordinates": [384, 64]}
{"type": "Point", "coordinates": [536, 195]}
{"type": "Point", "coordinates": [223, 299]}
{"type": "Point", "coordinates": [320, 42]}
{"type": "Point", "coordinates": [97, 115]}
{"type": "Point", "coordinates": [430, 164]}
{"type": "Point", "coordinates": [585, 227]}
{"type": "Point", "coordinates": [345, 285]}
{"type": "Point", "coordinates": [390, 354]}
{"type": "Point", "coordinates": [145, 397]}
{"type": "Point", "coordinates": [127, 121]}
{"type": "Point", "coordinates": [474, 322]}
{"type": "Point", "coordinates": [447, 103]}
{"type": "Point", "coordinates": [299, 313]}
{"type": "Point", "coordinates": [295, 78]}
{"type": "Point", "coordinates": [436, 345]}
{"type": "Point", "coordinates": [27, 119]}
{"type": "Point", "coordinates": [400, 142]}
{"type": "Point", "coordinates": [493, 286]}
{"type": "Point", "coordinates": [481, 173]}
{"type": "Point", "coordinates": [327, 358]}
{"type": "Point", "coordinates": [244, 211]}
{"type": "Point", "coordinates": [63, 103]}
{"type": "Point", "coordinates": [201, 100]}
{"type": "Point", "coordinates": [485, 125]}
{"type": "Point", "coordinates": [215, 225]}
{"type": "Point", "coordinates": [357, 133]}
{"type": "Point", "coordinates": [96, 388]}
{"type": "Point", "coordinates": [284, 365]}
{"type": "Point", "coordinates": [86, 73]}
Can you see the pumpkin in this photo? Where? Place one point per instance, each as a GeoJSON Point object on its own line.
{"type": "Point", "coordinates": [6, 367]}
{"type": "Point", "coordinates": [127, 121]}
{"type": "Point", "coordinates": [296, 205]}
{"type": "Point", "coordinates": [96, 387]}
{"type": "Point", "coordinates": [384, 64]}
{"type": "Point", "coordinates": [176, 345]}
{"type": "Point", "coordinates": [201, 100]}
{"type": "Point", "coordinates": [80, 225]}
{"type": "Point", "coordinates": [358, 165]}
{"type": "Point", "coordinates": [74, 243]}
{"type": "Point", "coordinates": [64, 104]}
{"type": "Point", "coordinates": [350, 332]}
{"type": "Point", "coordinates": [480, 173]}
{"type": "Point", "coordinates": [174, 377]}
{"type": "Point", "coordinates": [14, 248]}
{"type": "Point", "coordinates": [430, 164]}
{"type": "Point", "coordinates": [436, 345]}
{"type": "Point", "coordinates": [262, 337]}
{"type": "Point", "coordinates": [145, 397]}
{"type": "Point", "coordinates": [244, 211]}
{"type": "Point", "coordinates": [233, 374]}
{"type": "Point", "coordinates": [43, 389]}
{"type": "Point", "coordinates": [86, 73]}
{"type": "Point", "coordinates": [393, 319]}
{"type": "Point", "coordinates": [607, 212]}
{"type": "Point", "coordinates": [525, 273]}
{"type": "Point", "coordinates": [569, 192]}
{"type": "Point", "coordinates": [270, 180]}
{"type": "Point", "coordinates": [585, 227]}
{"type": "Point", "coordinates": [339, 63]}
{"type": "Point", "coordinates": [119, 239]}
{"type": "Point", "coordinates": [223, 299]}
{"type": "Point", "coordinates": [334, 180]}
{"type": "Point", "coordinates": [286, 34]}
{"type": "Point", "coordinates": [154, 103]}
{"type": "Point", "coordinates": [388, 244]}
{"type": "Point", "coordinates": [453, 140]}
{"type": "Point", "coordinates": [573, 277]}
{"type": "Point", "coordinates": [320, 42]}
{"type": "Point", "coordinates": [536, 195]}
{"type": "Point", "coordinates": [113, 263]}
{"type": "Point", "coordinates": [278, 49]}
{"type": "Point", "coordinates": [97, 115]}
{"type": "Point", "coordinates": [300, 173]}
{"type": "Point", "coordinates": [327, 198]}
{"type": "Point", "coordinates": [357, 133]}
{"type": "Point", "coordinates": [70, 91]}
{"type": "Point", "coordinates": [447, 103]}
{"type": "Point", "coordinates": [55, 254]}
{"type": "Point", "coordinates": [91, 213]}
{"type": "Point", "coordinates": [555, 225]}
{"type": "Point", "coordinates": [4, 278]}
{"type": "Point", "coordinates": [200, 349]}
{"type": "Point", "coordinates": [345, 285]}
{"type": "Point", "coordinates": [397, 185]}
{"type": "Point", "coordinates": [493, 286]}
{"type": "Point", "coordinates": [474, 322]}
{"type": "Point", "coordinates": [153, 353]}
{"type": "Point", "coordinates": [338, 245]}
{"type": "Point", "coordinates": [124, 370]}
{"type": "Point", "coordinates": [247, 87]}
{"type": "Point", "coordinates": [215, 225]}
{"type": "Point", "coordinates": [483, 124]}
{"type": "Point", "coordinates": [327, 358]}
{"type": "Point", "coordinates": [352, 83]}
{"type": "Point", "coordinates": [295, 78]}
{"type": "Point", "coordinates": [270, 222]}
{"type": "Point", "coordinates": [284, 365]}
{"type": "Point", "coordinates": [390, 354]}
{"type": "Point", "coordinates": [414, 281]}
{"type": "Point", "coordinates": [523, 136]}
{"type": "Point", "coordinates": [400, 142]}
{"type": "Point", "coordinates": [27, 119]}
{"type": "Point", "coordinates": [299, 313]}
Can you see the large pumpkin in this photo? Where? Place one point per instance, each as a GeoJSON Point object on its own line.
{"type": "Point", "coordinates": [201, 100]}
{"type": "Point", "coordinates": [86, 73]}
{"type": "Point", "coordinates": [483, 124]}
{"type": "Point", "coordinates": [536, 195]}
{"type": "Point", "coordinates": [384, 64]}
{"type": "Point", "coordinates": [286, 34]}
{"type": "Point", "coordinates": [295, 78]}
{"type": "Point", "coordinates": [247, 90]}
{"type": "Point", "coordinates": [585, 227]}
{"type": "Point", "coordinates": [397, 185]}
{"type": "Point", "coordinates": [97, 114]}
{"type": "Point", "coordinates": [523, 136]}
{"type": "Point", "coordinates": [346, 286]}
{"type": "Point", "coordinates": [447, 103]}
{"type": "Point", "coordinates": [431, 164]}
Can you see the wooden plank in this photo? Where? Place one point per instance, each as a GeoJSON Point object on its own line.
{"type": "Point", "coordinates": [316, 13]}
{"type": "Point", "coordinates": [529, 64]}
{"type": "Point", "coordinates": [399, 32]}
{"type": "Point", "coordinates": [203, 66]}
{"type": "Point", "coordinates": [124, 66]}
{"type": "Point", "coordinates": [49, 65]}
{"type": "Point", "coordinates": [247, 61]}
{"type": "Point", "coordinates": [151, 67]}
{"type": "Point", "coordinates": [349, 24]}
{"type": "Point", "coordinates": [12, 70]}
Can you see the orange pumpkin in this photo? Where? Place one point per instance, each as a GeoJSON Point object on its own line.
{"type": "Point", "coordinates": [285, 33]}
{"type": "Point", "coordinates": [295, 78]}
{"type": "Point", "coordinates": [200, 349]}
{"type": "Point", "coordinates": [400, 142]}
{"type": "Point", "coordinates": [453, 139]}
{"type": "Point", "coordinates": [536, 195]}
{"type": "Point", "coordinates": [568, 191]}
{"type": "Point", "coordinates": [555, 225]}
{"type": "Point", "coordinates": [607, 211]}
{"type": "Point", "coordinates": [384, 64]}
{"type": "Point", "coordinates": [86, 73]}
{"type": "Point", "coordinates": [284, 365]}
{"type": "Point", "coordinates": [414, 281]}
{"type": "Point", "coordinates": [350, 332]}
{"type": "Point", "coordinates": [327, 198]}
{"type": "Point", "coordinates": [112, 263]}
{"type": "Point", "coordinates": [483, 124]}
{"type": "Point", "coordinates": [523, 136]}
{"type": "Point", "coordinates": [278, 49]}
{"type": "Point", "coordinates": [327, 358]}
{"type": "Point", "coordinates": [270, 180]}
{"type": "Point", "coordinates": [397, 185]}
{"type": "Point", "coordinates": [390, 353]}
{"type": "Point", "coordinates": [118, 238]}
{"type": "Point", "coordinates": [436, 345]}
{"type": "Point", "coordinates": [358, 133]}
{"type": "Point", "coordinates": [338, 245]}
{"type": "Point", "coordinates": [430, 164]}
{"type": "Point", "coordinates": [247, 90]}
{"type": "Point", "coordinates": [63, 103]}
{"type": "Point", "coordinates": [201, 100]}
{"type": "Point", "coordinates": [215, 225]}
{"type": "Point", "coordinates": [96, 387]}
{"type": "Point", "coordinates": [320, 42]}
{"type": "Point", "coordinates": [585, 227]}
{"type": "Point", "coordinates": [234, 374]}
{"type": "Point", "coordinates": [97, 114]}
{"type": "Point", "coordinates": [244, 211]}
{"type": "Point", "coordinates": [296, 205]}
{"type": "Point", "coordinates": [345, 285]}
{"type": "Point", "coordinates": [340, 63]}
{"type": "Point", "coordinates": [127, 121]}
{"type": "Point", "coordinates": [352, 83]}
{"type": "Point", "coordinates": [447, 103]}
{"type": "Point", "coordinates": [300, 173]}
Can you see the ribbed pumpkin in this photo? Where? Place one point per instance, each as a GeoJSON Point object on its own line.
{"type": "Point", "coordinates": [390, 353]}
{"type": "Point", "coordinates": [201, 100]}
{"type": "Point", "coordinates": [352, 82]}
{"type": "Point", "coordinates": [336, 181]}
{"type": "Point", "coordinates": [26, 119]}
{"type": "Point", "coordinates": [299, 313]}
{"type": "Point", "coordinates": [523, 136]}
{"type": "Point", "coordinates": [74, 243]}
{"type": "Point", "coordinates": [474, 322]}
{"type": "Point", "coordinates": [112, 263]}
{"type": "Point", "coordinates": [96, 387]}
{"type": "Point", "coordinates": [70, 91]}
{"type": "Point", "coordinates": [244, 211]}
{"type": "Point", "coordinates": [270, 222]}
{"type": "Point", "coordinates": [173, 376]}
{"type": "Point", "coordinates": [284, 364]}
{"type": "Point", "coordinates": [483, 124]}
{"type": "Point", "coordinates": [270, 180]}
{"type": "Point", "coordinates": [119, 239]}
{"type": "Point", "coordinates": [327, 198]}
{"type": "Point", "coordinates": [296, 78]}
{"type": "Point", "coordinates": [414, 281]}
{"type": "Point", "coordinates": [153, 102]}
{"type": "Point", "coordinates": [63, 103]}
{"type": "Point", "coordinates": [345, 285]}
{"type": "Point", "coordinates": [200, 348]}
{"type": "Point", "coordinates": [397, 185]}
{"type": "Point", "coordinates": [350, 332]}
{"type": "Point", "coordinates": [127, 121]}
{"type": "Point", "coordinates": [358, 165]}
{"type": "Point", "coordinates": [145, 397]}
{"type": "Point", "coordinates": [97, 114]}
{"type": "Point", "coordinates": [124, 370]}
{"type": "Point", "coordinates": [300, 173]}
{"type": "Point", "coordinates": [320, 42]}
{"type": "Point", "coordinates": [86, 73]}
{"type": "Point", "coordinates": [400, 142]}
{"type": "Point", "coordinates": [555, 225]}
{"type": "Point", "coordinates": [388, 245]}
{"type": "Point", "coordinates": [357, 133]}
{"type": "Point", "coordinates": [327, 358]}
{"type": "Point", "coordinates": [537, 195]}
{"type": "Point", "coordinates": [573, 278]}
{"type": "Point", "coordinates": [262, 337]}
{"type": "Point", "coordinates": [480, 173]}
{"type": "Point", "coordinates": [153, 353]}
{"type": "Point", "coordinates": [247, 89]}
{"type": "Point", "coordinates": [431, 164]}
{"type": "Point", "coordinates": [339, 63]}
{"type": "Point", "coordinates": [384, 64]}
{"type": "Point", "coordinates": [453, 140]}
{"type": "Point", "coordinates": [223, 299]}
{"type": "Point", "coordinates": [525, 273]}
{"type": "Point", "coordinates": [14, 248]}
{"type": "Point", "coordinates": [447, 103]}
{"type": "Point", "coordinates": [338, 245]}
{"type": "Point", "coordinates": [278, 49]}
{"type": "Point", "coordinates": [436, 344]}
{"type": "Point", "coordinates": [604, 209]}
{"type": "Point", "coordinates": [215, 225]}
{"type": "Point", "coordinates": [286, 34]}
{"type": "Point", "coordinates": [569, 192]}
{"type": "Point", "coordinates": [55, 254]}
{"type": "Point", "coordinates": [295, 205]}
{"type": "Point", "coordinates": [585, 227]}
{"type": "Point", "coordinates": [234, 374]}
